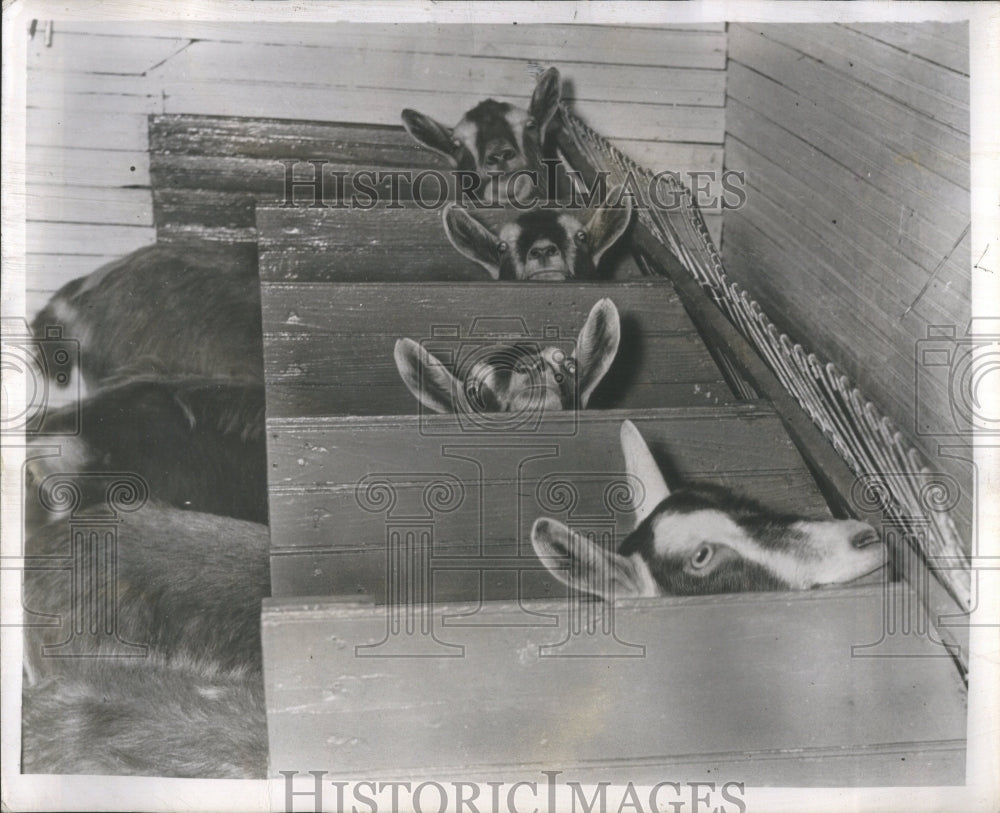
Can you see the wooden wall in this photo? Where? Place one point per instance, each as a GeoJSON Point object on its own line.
{"type": "Point", "coordinates": [854, 237]}
{"type": "Point", "coordinates": [659, 94]}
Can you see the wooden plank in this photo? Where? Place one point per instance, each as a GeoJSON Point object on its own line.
{"type": "Point", "coordinates": [134, 54]}
{"type": "Point", "coordinates": [887, 266]}
{"type": "Point", "coordinates": [384, 243]}
{"type": "Point", "coordinates": [78, 167]}
{"type": "Point", "coordinates": [663, 155]}
{"type": "Point", "coordinates": [81, 238]}
{"type": "Point", "coordinates": [871, 158]}
{"type": "Point", "coordinates": [329, 346]}
{"type": "Point", "coordinates": [84, 129]}
{"type": "Point", "coordinates": [461, 81]}
{"type": "Point", "coordinates": [939, 93]}
{"type": "Point", "coordinates": [670, 46]}
{"type": "Point", "coordinates": [106, 93]}
{"type": "Point", "coordinates": [324, 541]}
{"type": "Point", "coordinates": [89, 204]}
{"type": "Point", "coordinates": [944, 44]}
{"type": "Point", "coordinates": [273, 138]}
{"type": "Point", "coordinates": [837, 193]}
{"type": "Point", "coordinates": [825, 94]}
{"type": "Point", "coordinates": [499, 704]}
{"type": "Point", "coordinates": [687, 123]}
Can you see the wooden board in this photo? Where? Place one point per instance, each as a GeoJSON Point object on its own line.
{"type": "Point", "coordinates": [328, 347]}
{"type": "Point", "coordinates": [764, 688]}
{"type": "Point", "coordinates": [493, 479]}
{"type": "Point", "coordinates": [391, 242]}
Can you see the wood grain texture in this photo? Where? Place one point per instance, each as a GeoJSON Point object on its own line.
{"type": "Point", "coordinates": [329, 346]}
{"type": "Point", "coordinates": [772, 696]}
{"type": "Point", "coordinates": [392, 241]}
{"type": "Point", "coordinates": [854, 141]}
{"type": "Point", "coordinates": [329, 537]}
{"type": "Point", "coordinates": [90, 90]}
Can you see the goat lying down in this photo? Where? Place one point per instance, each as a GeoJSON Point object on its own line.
{"type": "Point", "coordinates": [166, 309]}
{"type": "Point", "coordinates": [197, 443]}
{"type": "Point", "coordinates": [703, 539]}
{"type": "Point", "coordinates": [518, 378]}
{"type": "Point", "coordinates": [188, 587]}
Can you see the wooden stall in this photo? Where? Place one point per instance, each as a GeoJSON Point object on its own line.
{"type": "Point", "coordinates": [405, 536]}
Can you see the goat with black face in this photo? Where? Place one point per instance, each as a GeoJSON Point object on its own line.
{"type": "Point", "coordinates": [543, 244]}
{"type": "Point", "coordinates": [497, 140]}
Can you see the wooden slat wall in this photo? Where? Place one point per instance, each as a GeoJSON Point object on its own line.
{"type": "Point", "coordinates": [327, 539]}
{"type": "Point", "coordinates": [658, 93]}
{"type": "Point", "coordinates": [407, 242]}
{"type": "Point", "coordinates": [762, 687]}
{"type": "Point", "coordinates": [328, 347]}
{"type": "Point", "coordinates": [855, 143]}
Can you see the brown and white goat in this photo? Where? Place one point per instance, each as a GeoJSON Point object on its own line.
{"type": "Point", "coordinates": [516, 378]}
{"type": "Point", "coordinates": [163, 310]}
{"type": "Point", "coordinates": [704, 539]}
{"type": "Point", "coordinates": [497, 140]}
{"type": "Point", "coordinates": [542, 244]}
{"type": "Point", "coordinates": [187, 587]}
{"type": "Point", "coordinates": [197, 443]}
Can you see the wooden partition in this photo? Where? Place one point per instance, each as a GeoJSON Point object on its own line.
{"type": "Point", "coordinates": [396, 241]}
{"type": "Point", "coordinates": [328, 347]}
{"type": "Point", "coordinates": [785, 689]}
{"type": "Point", "coordinates": [208, 172]}
{"type": "Point", "coordinates": [455, 496]}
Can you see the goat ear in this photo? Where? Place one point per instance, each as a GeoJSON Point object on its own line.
{"type": "Point", "coordinates": [609, 222]}
{"type": "Point", "coordinates": [591, 568]}
{"type": "Point", "coordinates": [472, 239]}
{"type": "Point", "coordinates": [426, 377]}
{"type": "Point", "coordinates": [596, 347]}
{"type": "Point", "coordinates": [545, 99]}
{"type": "Point", "coordinates": [640, 464]}
{"type": "Point", "coordinates": [430, 133]}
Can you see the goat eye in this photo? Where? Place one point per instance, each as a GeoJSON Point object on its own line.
{"type": "Point", "coordinates": [569, 365]}
{"type": "Point", "coordinates": [582, 236]}
{"type": "Point", "coordinates": [702, 556]}
{"type": "Point", "coordinates": [501, 247]}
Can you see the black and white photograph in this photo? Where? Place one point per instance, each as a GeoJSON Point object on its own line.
{"type": "Point", "coordinates": [499, 407]}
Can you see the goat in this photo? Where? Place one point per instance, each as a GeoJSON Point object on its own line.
{"type": "Point", "coordinates": [542, 244]}
{"type": "Point", "coordinates": [187, 587]}
{"type": "Point", "coordinates": [197, 443]}
{"type": "Point", "coordinates": [496, 140]}
{"type": "Point", "coordinates": [164, 310]}
{"type": "Point", "coordinates": [703, 539]}
{"type": "Point", "coordinates": [516, 378]}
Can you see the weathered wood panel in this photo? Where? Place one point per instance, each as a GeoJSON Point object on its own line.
{"type": "Point", "coordinates": [659, 92]}
{"type": "Point", "coordinates": [762, 687]}
{"type": "Point", "coordinates": [475, 485]}
{"type": "Point", "coordinates": [854, 236]}
{"type": "Point", "coordinates": [329, 346]}
{"type": "Point", "coordinates": [403, 241]}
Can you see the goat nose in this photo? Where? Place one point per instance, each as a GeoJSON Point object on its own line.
{"type": "Point", "coordinates": [864, 538]}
